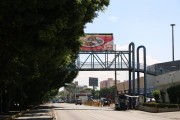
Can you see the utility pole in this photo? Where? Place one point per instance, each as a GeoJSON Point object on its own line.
{"type": "Point", "coordinates": [115, 78]}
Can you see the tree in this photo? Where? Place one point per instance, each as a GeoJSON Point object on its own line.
{"type": "Point", "coordinates": [178, 93]}
{"type": "Point", "coordinates": [174, 94]}
{"type": "Point", "coordinates": [97, 94]}
{"type": "Point", "coordinates": [71, 88]}
{"type": "Point", "coordinates": [162, 93]}
{"type": "Point", "coordinates": [156, 95]}
{"type": "Point", "coordinates": [108, 92]}
{"type": "Point", "coordinates": [112, 91]}
{"type": "Point", "coordinates": [39, 40]}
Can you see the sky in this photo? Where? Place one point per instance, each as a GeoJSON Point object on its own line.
{"type": "Point", "coordinates": [144, 22]}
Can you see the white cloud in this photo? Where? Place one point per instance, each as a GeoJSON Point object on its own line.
{"type": "Point", "coordinates": [113, 18]}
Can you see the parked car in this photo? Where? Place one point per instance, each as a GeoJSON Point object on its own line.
{"type": "Point", "coordinates": [150, 99]}
{"type": "Point", "coordinates": [78, 101]}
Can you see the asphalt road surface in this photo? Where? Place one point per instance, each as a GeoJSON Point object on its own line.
{"type": "Point", "coordinates": [64, 111]}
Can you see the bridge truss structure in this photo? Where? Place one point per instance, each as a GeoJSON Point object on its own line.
{"type": "Point", "coordinates": [117, 61]}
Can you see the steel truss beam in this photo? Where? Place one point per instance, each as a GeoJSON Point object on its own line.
{"type": "Point", "coordinates": [103, 61]}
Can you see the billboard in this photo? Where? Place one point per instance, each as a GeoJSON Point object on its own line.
{"type": "Point", "coordinates": [97, 42]}
{"type": "Point", "coordinates": [93, 81]}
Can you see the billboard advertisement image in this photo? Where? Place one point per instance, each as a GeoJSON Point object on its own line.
{"type": "Point", "coordinates": [97, 42]}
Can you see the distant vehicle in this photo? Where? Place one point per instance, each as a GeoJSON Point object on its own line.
{"type": "Point", "coordinates": [61, 101]}
{"type": "Point", "coordinates": [104, 101]}
{"type": "Point", "coordinates": [54, 101]}
{"type": "Point", "coordinates": [78, 101]}
{"type": "Point", "coordinates": [150, 99]}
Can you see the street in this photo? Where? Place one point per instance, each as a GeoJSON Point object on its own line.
{"type": "Point", "coordinates": [64, 111]}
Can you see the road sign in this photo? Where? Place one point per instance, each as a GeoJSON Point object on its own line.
{"type": "Point", "coordinates": [93, 81]}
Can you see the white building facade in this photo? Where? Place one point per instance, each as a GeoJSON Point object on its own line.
{"type": "Point", "coordinates": [169, 76]}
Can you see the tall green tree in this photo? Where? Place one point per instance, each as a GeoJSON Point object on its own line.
{"type": "Point", "coordinates": [39, 40]}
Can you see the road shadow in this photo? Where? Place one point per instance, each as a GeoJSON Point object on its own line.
{"type": "Point", "coordinates": [34, 110]}
{"type": "Point", "coordinates": [4, 116]}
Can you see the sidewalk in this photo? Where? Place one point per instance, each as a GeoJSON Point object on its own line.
{"type": "Point", "coordinates": [6, 116]}
{"type": "Point", "coordinates": [42, 112]}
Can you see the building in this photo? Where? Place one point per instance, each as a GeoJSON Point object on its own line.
{"type": "Point", "coordinates": [108, 83]}
{"type": "Point", "coordinates": [123, 87]}
{"type": "Point", "coordinates": [74, 91]}
{"type": "Point", "coordinates": [168, 75]}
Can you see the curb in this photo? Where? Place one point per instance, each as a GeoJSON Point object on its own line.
{"type": "Point", "coordinates": [17, 115]}
{"type": "Point", "coordinates": [53, 114]}
{"type": "Point", "coordinates": [20, 113]}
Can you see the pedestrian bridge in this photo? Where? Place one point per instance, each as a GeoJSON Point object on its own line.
{"type": "Point", "coordinates": [118, 61]}
{"type": "Point", "coordinates": [110, 61]}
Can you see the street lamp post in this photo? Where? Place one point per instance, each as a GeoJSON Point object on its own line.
{"type": "Point", "coordinates": [172, 41]}
{"type": "Point", "coordinates": [115, 77]}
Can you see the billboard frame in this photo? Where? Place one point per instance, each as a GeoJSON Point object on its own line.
{"type": "Point", "coordinates": [97, 42]}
